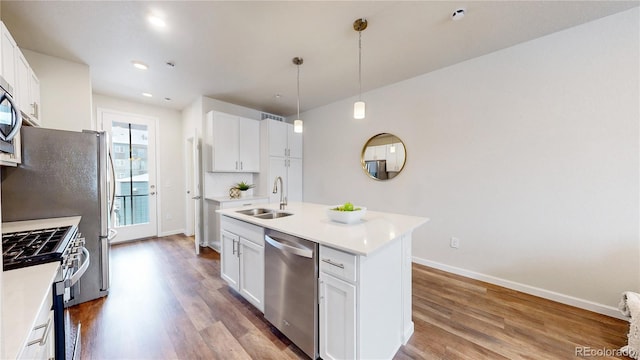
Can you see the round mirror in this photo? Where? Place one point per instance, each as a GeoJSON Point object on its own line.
{"type": "Point", "coordinates": [383, 156]}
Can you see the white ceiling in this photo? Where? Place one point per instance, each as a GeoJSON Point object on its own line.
{"type": "Point", "coordinates": [241, 51]}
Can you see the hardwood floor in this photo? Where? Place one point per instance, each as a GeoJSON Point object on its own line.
{"type": "Point", "coordinates": [166, 303]}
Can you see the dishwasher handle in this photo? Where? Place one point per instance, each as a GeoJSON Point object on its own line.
{"type": "Point", "coordinates": [300, 251]}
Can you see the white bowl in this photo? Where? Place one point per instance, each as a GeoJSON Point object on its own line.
{"type": "Point", "coordinates": [346, 217]}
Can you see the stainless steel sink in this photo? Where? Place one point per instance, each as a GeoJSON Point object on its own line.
{"type": "Point", "coordinates": [272, 215]}
{"type": "Point", "coordinates": [262, 213]}
{"type": "Point", "coordinates": [254, 212]}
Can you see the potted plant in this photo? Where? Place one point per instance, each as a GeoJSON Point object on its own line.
{"type": "Point", "coordinates": [244, 187]}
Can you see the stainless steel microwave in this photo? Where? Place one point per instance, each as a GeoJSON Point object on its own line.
{"type": "Point", "coordinates": [10, 118]}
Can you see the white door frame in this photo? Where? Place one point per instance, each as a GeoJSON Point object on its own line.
{"type": "Point", "coordinates": [154, 120]}
{"type": "Point", "coordinates": [194, 191]}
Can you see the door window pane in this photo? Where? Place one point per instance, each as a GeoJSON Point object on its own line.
{"type": "Point", "coordinates": [130, 144]}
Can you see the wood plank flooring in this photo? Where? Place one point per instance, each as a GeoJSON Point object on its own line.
{"type": "Point", "coordinates": [167, 303]}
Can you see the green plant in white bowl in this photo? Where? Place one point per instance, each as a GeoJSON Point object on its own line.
{"type": "Point", "coordinates": [243, 186]}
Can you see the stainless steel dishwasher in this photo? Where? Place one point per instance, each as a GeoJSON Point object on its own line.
{"type": "Point", "coordinates": [290, 288]}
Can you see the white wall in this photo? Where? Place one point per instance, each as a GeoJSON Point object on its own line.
{"type": "Point", "coordinates": [170, 155]}
{"type": "Point", "coordinates": [65, 92]}
{"type": "Point", "coordinates": [529, 155]}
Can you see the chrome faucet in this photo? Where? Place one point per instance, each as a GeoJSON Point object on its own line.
{"type": "Point", "coordinates": [283, 200]}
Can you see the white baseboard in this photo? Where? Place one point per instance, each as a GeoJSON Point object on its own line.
{"type": "Point", "coordinates": [527, 289]}
{"type": "Point", "coordinates": [171, 232]}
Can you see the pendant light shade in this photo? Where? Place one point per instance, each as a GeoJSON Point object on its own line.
{"type": "Point", "coordinates": [358, 107]}
{"type": "Point", "coordinates": [358, 110]}
{"type": "Point", "coordinates": [297, 124]}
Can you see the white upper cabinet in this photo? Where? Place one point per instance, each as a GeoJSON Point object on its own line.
{"type": "Point", "coordinates": [15, 69]}
{"type": "Point", "coordinates": [234, 141]}
{"type": "Point", "coordinates": [282, 140]}
{"type": "Point", "coordinates": [8, 57]}
{"type": "Point", "coordinates": [27, 91]}
{"type": "Point", "coordinates": [281, 156]}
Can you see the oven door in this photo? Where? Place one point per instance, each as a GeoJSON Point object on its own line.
{"type": "Point", "coordinates": [67, 336]}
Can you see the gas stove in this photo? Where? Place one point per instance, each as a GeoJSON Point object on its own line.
{"type": "Point", "coordinates": [26, 248]}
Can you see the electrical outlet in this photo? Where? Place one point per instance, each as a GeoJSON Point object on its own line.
{"type": "Point", "coordinates": [455, 242]}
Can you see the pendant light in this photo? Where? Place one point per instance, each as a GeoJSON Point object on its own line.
{"type": "Point", "coordinates": [297, 124]}
{"type": "Point", "coordinates": [358, 107]}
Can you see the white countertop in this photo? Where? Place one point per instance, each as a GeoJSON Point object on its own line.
{"type": "Point", "coordinates": [40, 224]}
{"type": "Point", "coordinates": [24, 292]}
{"type": "Point", "coordinates": [309, 221]}
{"type": "Point", "coordinates": [221, 199]}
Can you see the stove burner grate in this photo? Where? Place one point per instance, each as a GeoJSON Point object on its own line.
{"type": "Point", "coordinates": [25, 248]}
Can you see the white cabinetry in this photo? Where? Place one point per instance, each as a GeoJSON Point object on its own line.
{"type": "Point", "coordinates": [242, 259]}
{"type": "Point", "coordinates": [234, 142]}
{"type": "Point", "coordinates": [337, 300]}
{"type": "Point", "coordinates": [364, 303]}
{"type": "Point", "coordinates": [27, 91]}
{"type": "Point", "coordinates": [281, 156]}
{"type": "Point", "coordinates": [212, 223]}
{"type": "Point", "coordinates": [9, 49]}
{"type": "Point", "coordinates": [40, 343]}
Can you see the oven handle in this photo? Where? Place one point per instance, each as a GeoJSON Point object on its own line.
{"type": "Point", "coordinates": [81, 270]}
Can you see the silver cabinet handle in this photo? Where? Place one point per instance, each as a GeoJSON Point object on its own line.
{"type": "Point", "coordinates": [241, 168]}
{"type": "Point", "coordinates": [43, 339]}
{"type": "Point", "coordinates": [328, 261]}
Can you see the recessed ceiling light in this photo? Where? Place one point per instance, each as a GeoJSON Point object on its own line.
{"type": "Point", "coordinates": [146, 94]}
{"type": "Point", "coordinates": [157, 21]}
{"type": "Point", "coordinates": [139, 65]}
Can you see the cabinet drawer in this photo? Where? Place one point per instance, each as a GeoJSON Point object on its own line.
{"type": "Point", "coordinates": [338, 263]}
{"type": "Point", "coordinates": [243, 229]}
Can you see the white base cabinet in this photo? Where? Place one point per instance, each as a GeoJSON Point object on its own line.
{"type": "Point", "coordinates": [212, 222]}
{"type": "Point", "coordinates": [242, 259]}
{"type": "Point", "coordinates": [337, 318]}
{"type": "Point", "coordinates": [365, 302]}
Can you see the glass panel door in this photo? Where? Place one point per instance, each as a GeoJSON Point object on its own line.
{"type": "Point", "coordinates": [133, 152]}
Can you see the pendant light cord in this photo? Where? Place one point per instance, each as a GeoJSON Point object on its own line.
{"type": "Point", "coordinates": [298, 91]}
{"type": "Point", "coordinates": [360, 64]}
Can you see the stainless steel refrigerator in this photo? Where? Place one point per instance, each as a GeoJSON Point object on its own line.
{"type": "Point", "coordinates": [65, 173]}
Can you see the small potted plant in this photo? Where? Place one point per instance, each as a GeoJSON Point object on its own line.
{"type": "Point", "coordinates": [244, 187]}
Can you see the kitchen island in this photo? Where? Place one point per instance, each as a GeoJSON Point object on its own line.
{"type": "Point", "coordinates": [364, 278]}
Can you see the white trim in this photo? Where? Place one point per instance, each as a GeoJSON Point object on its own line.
{"type": "Point", "coordinates": [527, 289]}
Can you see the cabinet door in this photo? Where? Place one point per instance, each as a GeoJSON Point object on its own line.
{"type": "Point", "coordinates": [277, 138]}
{"type": "Point", "coordinates": [230, 262]}
{"type": "Point", "coordinates": [252, 273]}
{"type": "Point", "coordinates": [34, 96]}
{"type": "Point", "coordinates": [249, 145]}
{"type": "Point", "coordinates": [8, 57]}
{"type": "Point", "coordinates": [294, 141]}
{"type": "Point", "coordinates": [337, 318]}
{"type": "Point", "coordinates": [276, 168]}
{"type": "Point", "coordinates": [225, 143]}
{"type": "Point", "coordinates": [294, 179]}
{"type": "Point", "coordinates": [23, 82]}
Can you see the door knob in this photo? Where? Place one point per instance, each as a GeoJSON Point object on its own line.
{"type": "Point", "coordinates": [197, 197]}
{"type": "Point", "coordinates": [152, 193]}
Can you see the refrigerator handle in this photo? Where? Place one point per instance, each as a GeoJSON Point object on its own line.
{"type": "Point", "coordinates": [113, 186]}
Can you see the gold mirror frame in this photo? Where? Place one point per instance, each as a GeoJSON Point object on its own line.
{"type": "Point", "coordinates": [384, 151]}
